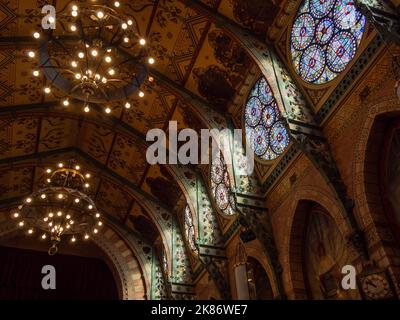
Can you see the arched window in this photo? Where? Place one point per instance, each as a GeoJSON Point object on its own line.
{"type": "Point", "coordinates": [325, 37]}
{"type": "Point", "coordinates": [265, 130]}
{"type": "Point", "coordinates": [189, 230]}
{"type": "Point", "coordinates": [221, 186]}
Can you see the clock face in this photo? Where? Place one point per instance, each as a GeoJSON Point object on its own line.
{"type": "Point", "coordinates": [375, 286]}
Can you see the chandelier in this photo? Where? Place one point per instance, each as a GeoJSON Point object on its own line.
{"type": "Point", "coordinates": [60, 209]}
{"type": "Point", "coordinates": [94, 55]}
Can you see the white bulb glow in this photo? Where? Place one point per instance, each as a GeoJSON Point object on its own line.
{"type": "Point", "coordinates": [81, 55]}
{"type": "Point", "coordinates": [87, 175]}
{"type": "Point", "coordinates": [16, 215]}
{"type": "Point", "coordinates": [47, 90]}
{"type": "Point", "coordinates": [66, 103]}
{"type": "Point", "coordinates": [21, 224]}
{"type": "Point", "coordinates": [73, 239]}
{"type": "Point", "coordinates": [108, 59]}
{"type": "Point", "coordinates": [126, 39]}
{"type": "Point", "coordinates": [31, 54]}
{"type": "Point", "coordinates": [59, 213]}
{"type": "Point", "coordinates": [116, 4]}
{"type": "Point", "coordinates": [108, 110]}
{"type": "Point", "coordinates": [94, 53]}
{"type": "Point", "coordinates": [78, 76]}
{"type": "Point", "coordinates": [141, 94]}
{"type": "Point", "coordinates": [77, 168]}
{"type": "Point", "coordinates": [90, 207]}
{"type": "Point", "coordinates": [36, 35]}
{"type": "Point", "coordinates": [43, 196]}
{"type": "Point", "coordinates": [28, 200]}
{"type": "Point", "coordinates": [87, 109]}
{"type": "Point", "coordinates": [111, 72]}
{"type": "Point", "coordinates": [100, 14]}
{"type": "Point", "coordinates": [74, 13]}
{"type": "Point", "coordinates": [36, 73]}
{"type": "Point", "coordinates": [151, 60]}
{"type": "Point", "coordinates": [104, 80]}
{"type": "Point", "coordinates": [127, 105]}
{"type": "Point", "coordinates": [60, 196]}
{"type": "Point", "coordinates": [142, 42]}
{"type": "Point", "coordinates": [74, 8]}
{"type": "Point", "coordinates": [124, 26]}
{"type": "Point", "coordinates": [86, 185]}
{"type": "Point", "coordinates": [97, 215]}
{"type": "Point", "coordinates": [86, 236]}
{"type": "Point", "coordinates": [43, 236]}
{"type": "Point", "coordinates": [73, 28]}
{"type": "Point", "coordinates": [74, 64]}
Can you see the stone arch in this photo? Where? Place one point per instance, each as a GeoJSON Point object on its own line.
{"type": "Point", "coordinates": [254, 250]}
{"type": "Point", "coordinates": [126, 269]}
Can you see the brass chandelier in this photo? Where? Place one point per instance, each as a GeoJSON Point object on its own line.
{"type": "Point", "coordinates": [94, 55]}
{"type": "Point", "coordinates": [61, 209]}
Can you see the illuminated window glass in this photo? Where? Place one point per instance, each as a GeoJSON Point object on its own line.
{"type": "Point", "coordinates": [221, 186]}
{"type": "Point", "coordinates": [265, 129]}
{"type": "Point", "coordinates": [189, 229]}
{"type": "Point", "coordinates": [325, 37]}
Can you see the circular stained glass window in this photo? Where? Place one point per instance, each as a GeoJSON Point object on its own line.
{"type": "Point", "coordinates": [325, 37]}
{"type": "Point", "coordinates": [265, 130]}
{"type": "Point", "coordinates": [221, 186]}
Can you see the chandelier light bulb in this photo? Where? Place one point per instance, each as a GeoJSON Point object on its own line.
{"type": "Point", "coordinates": [36, 73]}
{"type": "Point", "coordinates": [47, 90]}
{"type": "Point", "coordinates": [108, 110]}
{"type": "Point", "coordinates": [43, 236]}
{"type": "Point", "coordinates": [60, 196]}
{"type": "Point", "coordinates": [116, 4]}
{"type": "Point", "coordinates": [77, 168]}
{"type": "Point", "coordinates": [48, 180]}
{"type": "Point", "coordinates": [108, 59]}
{"type": "Point", "coordinates": [130, 22]}
{"type": "Point", "coordinates": [31, 54]}
{"type": "Point", "coordinates": [30, 231]}
{"type": "Point", "coordinates": [50, 223]}
{"type": "Point", "coordinates": [77, 200]}
{"type": "Point", "coordinates": [95, 231]}
{"type": "Point", "coordinates": [90, 207]}
{"type": "Point", "coordinates": [78, 76]}
{"type": "Point", "coordinates": [97, 215]}
{"type": "Point", "coordinates": [104, 80]}
{"type": "Point", "coordinates": [73, 239]}
{"type": "Point", "coordinates": [111, 72]}
{"type": "Point", "coordinates": [73, 28]}
{"type": "Point", "coordinates": [86, 236]}
{"type": "Point", "coordinates": [21, 223]}
{"type": "Point", "coordinates": [141, 94]}
{"type": "Point", "coordinates": [87, 109]}
{"type": "Point", "coordinates": [74, 8]}
{"type": "Point", "coordinates": [126, 39]}
{"type": "Point", "coordinates": [48, 170]}
{"type": "Point", "coordinates": [36, 35]}
{"type": "Point", "coordinates": [66, 103]}
{"type": "Point", "coordinates": [51, 214]}
{"type": "Point", "coordinates": [100, 14]}
{"type": "Point", "coordinates": [81, 55]}
{"type": "Point", "coordinates": [71, 222]}
{"type": "Point", "coordinates": [28, 200]}
{"type": "Point", "coordinates": [124, 26]}
{"type": "Point", "coordinates": [68, 216]}
{"type": "Point", "coordinates": [86, 185]}
{"type": "Point", "coordinates": [45, 219]}
{"type": "Point", "coordinates": [87, 175]}
{"type": "Point", "coordinates": [151, 60]}
{"type": "Point", "coordinates": [127, 105]}
{"type": "Point", "coordinates": [151, 79]}
{"type": "Point", "coordinates": [94, 53]}
{"type": "Point", "coordinates": [74, 64]}
{"type": "Point", "coordinates": [43, 196]}
{"type": "Point", "coordinates": [59, 213]}
{"type": "Point", "coordinates": [16, 215]}
{"type": "Point", "coordinates": [142, 42]}
{"type": "Point", "coordinates": [74, 13]}
{"type": "Point", "coordinates": [60, 165]}
{"type": "Point", "coordinates": [100, 223]}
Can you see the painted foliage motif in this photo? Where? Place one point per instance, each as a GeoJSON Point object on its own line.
{"type": "Point", "coordinates": [265, 128]}
{"type": "Point", "coordinates": [325, 37]}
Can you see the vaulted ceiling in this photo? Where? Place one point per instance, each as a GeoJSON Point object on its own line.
{"type": "Point", "coordinates": [191, 53]}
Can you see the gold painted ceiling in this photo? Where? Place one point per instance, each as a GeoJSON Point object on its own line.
{"type": "Point", "coordinates": [190, 51]}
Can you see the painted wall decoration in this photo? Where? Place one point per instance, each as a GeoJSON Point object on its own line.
{"type": "Point", "coordinates": [265, 127]}
{"type": "Point", "coordinates": [255, 14]}
{"type": "Point", "coordinates": [325, 37]}
{"type": "Point", "coordinates": [325, 254]}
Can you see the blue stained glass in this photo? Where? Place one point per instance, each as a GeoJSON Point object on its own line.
{"type": "Point", "coordinates": [260, 134]}
{"type": "Point", "coordinates": [325, 37]}
{"type": "Point", "coordinates": [221, 186]}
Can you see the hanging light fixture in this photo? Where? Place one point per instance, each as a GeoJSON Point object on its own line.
{"type": "Point", "coordinates": [62, 209]}
{"type": "Point", "coordinates": [95, 55]}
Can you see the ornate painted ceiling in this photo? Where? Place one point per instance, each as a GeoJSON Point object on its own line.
{"type": "Point", "coordinates": [191, 53]}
